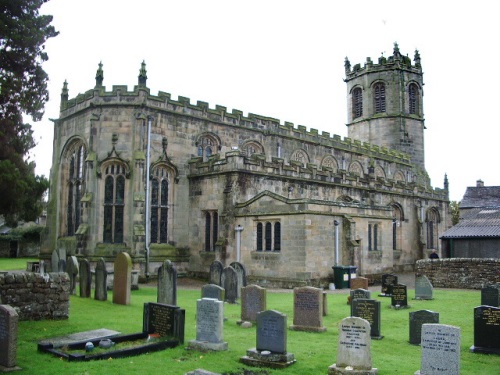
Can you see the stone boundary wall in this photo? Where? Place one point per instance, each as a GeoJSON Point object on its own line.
{"type": "Point", "coordinates": [36, 297]}
{"type": "Point", "coordinates": [460, 273]}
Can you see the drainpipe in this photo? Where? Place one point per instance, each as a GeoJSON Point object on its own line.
{"type": "Point", "coordinates": [238, 230]}
{"type": "Point", "coordinates": [336, 223]}
{"type": "Point", "coordinates": [147, 216]}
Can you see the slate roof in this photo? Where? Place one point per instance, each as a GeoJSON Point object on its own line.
{"type": "Point", "coordinates": [484, 196]}
{"type": "Point", "coordinates": [483, 222]}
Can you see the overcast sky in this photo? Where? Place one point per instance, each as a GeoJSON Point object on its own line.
{"type": "Point", "coordinates": [285, 59]}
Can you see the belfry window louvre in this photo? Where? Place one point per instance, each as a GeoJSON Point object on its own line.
{"type": "Point", "coordinates": [357, 103]}
{"type": "Point", "coordinates": [379, 97]}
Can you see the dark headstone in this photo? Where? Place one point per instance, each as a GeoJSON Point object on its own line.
{"type": "Point", "coordinates": [164, 320]}
{"type": "Point", "coordinates": [209, 325]}
{"type": "Point", "coordinates": [417, 319]}
{"type": "Point", "coordinates": [486, 330]}
{"type": "Point", "coordinates": [399, 296]}
{"type": "Point", "coordinates": [8, 337]}
{"type": "Point", "coordinates": [388, 280]}
{"type": "Point", "coordinates": [308, 309]}
{"type": "Point", "coordinates": [423, 288]}
{"type": "Point", "coordinates": [241, 272]}
{"type": "Point", "coordinates": [54, 261]}
{"type": "Point", "coordinates": [440, 350]}
{"type": "Point", "coordinates": [490, 295]}
{"type": "Point", "coordinates": [369, 310]}
{"type": "Point", "coordinates": [85, 278]}
{"type": "Point", "coordinates": [230, 284]}
{"type": "Point", "coordinates": [122, 279]}
{"type": "Point", "coordinates": [359, 293]}
{"type": "Point", "coordinates": [167, 284]}
{"type": "Point", "coordinates": [212, 291]}
{"type": "Point", "coordinates": [359, 283]}
{"type": "Point", "coordinates": [253, 301]}
{"type": "Point", "coordinates": [215, 273]}
{"type": "Point", "coordinates": [101, 281]}
{"type": "Point", "coordinates": [72, 270]}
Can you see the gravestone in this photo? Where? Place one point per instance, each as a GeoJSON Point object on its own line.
{"type": "Point", "coordinates": [486, 330]}
{"type": "Point", "coordinates": [241, 273]}
{"type": "Point", "coordinates": [368, 309]}
{"type": "Point", "coordinates": [72, 269]}
{"type": "Point", "coordinates": [359, 293]}
{"type": "Point", "coordinates": [308, 309]}
{"type": "Point", "coordinates": [164, 320]}
{"type": "Point", "coordinates": [85, 278]}
{"type": "Point", "coordinates": [440, 350]}
{"type": "Point", "coordinates": [253, 301]}
{"type": "Point", "coordinates": [354, 348]}
{"type": "Point", "coordinates": [167, 283]}
{"type": "Point", "coordinates": [359, 283]}
{"type": "Point", "coordinates": [231, 286]}
{"type": "Point", "coordinates": [54, 261]}
{"type": "Point", "coordinates": [62, 265]}
{"type": "Point", "coordinates": [122, 279]}
{"type": "Point", "coordinates": [417, 319]}
{"type": "Point", "coordinates": [325, 303]}
{"type": "Point", "coordinates": [388, 280]}
{"type": "Point", "coordinates": [399, 297]}
{"type": "Point", "coordinates": [271, 348]}
{"type": "Point", "coordinates": [215, 273]}
{"type": "Point", "coordinates": [423, 288]}
{"type": "Point", "coordinates": [8, 338]}
{"type": "Point", "coordinates": [101, 281]}
{"type": "Point", "coordinates": [212, 291]}
{"type": "Point", "coordinates": [490, 295]}
{"type": "Point", "coordinates": [209, 325]}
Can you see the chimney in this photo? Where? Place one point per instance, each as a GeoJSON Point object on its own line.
{"type": "Point", "coordinates": [479, 183]}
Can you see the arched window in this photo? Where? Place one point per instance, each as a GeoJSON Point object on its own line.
{"type": "Point", "coordinates": [379, 97]}
{"type": "Point", "coordinates": [114, 203]}
{"type": "Point", "coordinates": [75, 186]}
{"type": "Point", "coordinates": [413, 99]}
{"type": "Point", "coordinates": [159, 205]}
{"type": "Point", "coordinates": [397, 226]}
{"type": "Point", "coordinates": [357, 103]}
{"type": "Point", "coordinates": [432, 228]}
{"type": "Point", "coordinates": [252, 147]}
{"type": "Point", "coordinates": [208, 144]}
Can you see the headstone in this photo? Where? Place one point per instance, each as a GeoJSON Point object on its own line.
{"type": "Point", "coordinates": [200, 371]}
{"type": "Point", "coordinates": [271, 348]}
{"type": "Point", "coordinates": [55, 261]}
{"type": "Point", "coordinates": [164, 320]}
{"type": "Point", "coordinates": [354, 348]}
{"type": "Point", "coordinates": [359, 293]}
{"type": "Point", "coordinates": [85, 278]}
{"type": "Point", "coordinates": [253, 301]}
{"type": "Point", "coordinates": [215, 273]}
{"type": "Point", "coordinates": [167, 283]}
{"type": "Point", "coordinates": [440, 350]}
{"type": "Point", "coordinates": [209, 325]}
{"type": "Point", "coordinates": [359, 283]}
{"type": "Point", "coordinates": [122, 279]}
{"type": "Point", "coordinates": [325, 303]}
{"type": "Point", "coordinates": [230, 284]}
{"type": "Point", "coordinates": [399, 297]}
{"type": "Point", "coordinates": [417, 319]}
{"type": "Point", "coordinates": [368, 309]}
{"type": "Point", "coordinates": [241, 273]}
{"type": "Point", "coordinates": [62, 265]}
{"type": "Point", "coordinates": [72, 269]}
{"type": "Point", "coordinates": [212, 291]}
{"type": "Point", "coordinates": [486, 330]}
{"type": "Point", "coordinates": [8, 338]}
{"type": "Point", "coordinates": [388, 280]}
{"type": "Point", "coordinates": [423, 288]}
{"type": "Point", "coordinates": [308, 309]}
{"type": "Point", "coordinates": [490, 295]}
{"type": "Point", "coordinates": [101, 281]}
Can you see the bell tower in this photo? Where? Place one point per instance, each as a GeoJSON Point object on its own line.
{"type": "Point", "coordinates": [384, 103]}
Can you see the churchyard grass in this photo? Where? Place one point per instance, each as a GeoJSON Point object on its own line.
{"type": "Point", "coordinates": [314, 352]}
{"type": "Point", "coordinates": [11, 264]}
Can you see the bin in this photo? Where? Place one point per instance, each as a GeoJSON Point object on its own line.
{"type": "Point", "coordinates": [342, 276]}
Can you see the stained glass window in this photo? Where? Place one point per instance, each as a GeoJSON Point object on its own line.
{"type": "Point", "coordinates": [114, 204]}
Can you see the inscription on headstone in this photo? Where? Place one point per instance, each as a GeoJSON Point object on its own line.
{"type": "Point", "coordinates": [253, 301]}
{"type": "Point", "coordinates": [164, 320]}
{"type": "Point", "coordinates": [440, 350]}
{"type": "Point", "coordinates": [85, 278]}
{"type": "Point", "coordinates": [209, 325]}
{"type": "Point", "coordinates": [215, 273]}
{"type": "Point", "coordinates": [423, 287]}
{"type": "Point", "coordinates": [490, 295]}
{"type": "Point", "coordinates": [167, 284]}
{"type": "Point", "coordinates": [359, 293]}
{"type": "Point", "coordinates": [486, 330]}
{"type": "Point", "coordinates": [369, 310]}
{"type": "Point", "coordinates": [399, 296]}
{"type": "Point", "coordinates": [308, 309]}
{"type": "Point", "coordinates": [8, 337]}
{"type": "Point", "coordinates": [388, 280]}
{"type": "Point", "coordinates": [122, 279]}
{"type": "Point", "coordinates": [417, 319]}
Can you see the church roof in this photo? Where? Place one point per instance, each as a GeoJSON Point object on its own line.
{"type": "Point", "coordinates": [476, 223]}
{"type": "Point", "coordinates": [482, 196]}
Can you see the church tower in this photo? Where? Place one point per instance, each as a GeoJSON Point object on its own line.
{"type": "Point", "coordinates": [385, 104]}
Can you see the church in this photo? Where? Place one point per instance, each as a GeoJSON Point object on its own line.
{"type": "Point", "coordinates": [163, 178]}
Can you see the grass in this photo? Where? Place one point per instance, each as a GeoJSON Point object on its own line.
{"type": "Point", "coordinates": [314, 352]}
{"type": "Point", "coordinates": [12, 264]}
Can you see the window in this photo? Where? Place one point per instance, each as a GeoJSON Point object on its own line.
{"type": "Point", "coordinates": [413, 99]}
{"type": "Point", "coordinates": [75, 184]}
{"type": "Point", "coordinates": [159, 205]}
{"type": "Point", "coordinates": [268, 236]}
{"type": "Point", "coordinates": [208, 145]}
{"type": "Point", "coordinates": [250, 148]}
{"type": "Point", "coordinates": [432, 228]}
{"type": "Point", "coordinates": [397, 225]}
{"type": "Point", "coordinates": [211, 230]}
{"type": "Point", "coordinates": [379, 97]}
{"type": "Point", "coordinates": [114, 203]}
{"type": "Point", "coordinates": [373, 237]}
{"type": "Point", "coordinates": [357, 103]}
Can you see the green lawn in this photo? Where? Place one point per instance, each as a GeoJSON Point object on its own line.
{"type": "Point", "coordinates": [314, 352]}
{"type": "Point", "coordinates": [14, 264]}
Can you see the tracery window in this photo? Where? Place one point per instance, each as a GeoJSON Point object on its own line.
{"type": "Point", "coordinates": [207, 146]}
{"type": "Point", "coordinates": [75, 183]}
{"type": "Point", "coordinates": [159, 205]}
{"type": "Point", "coordinates": [268, 236]}
{"type": "Point", "coordinates": [330, 162]}
{"type": "Point", "coordinates": [211, 230]}
{"type": "Point", "coordinates": [114, 203]}
{"type": "Point", "coordinates": [379, 97]}
{"type": "Point", "coordinates": [357, 103]}
{"type": "Point", "coordinates": [413, 99]}
{"type": "Point", "coordinates": [250, 148]}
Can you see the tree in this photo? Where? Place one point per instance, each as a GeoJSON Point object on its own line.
{"type": "Point", "coordinates": [455, 212]}
{"type": "Point", "coordinates": [23, 90]}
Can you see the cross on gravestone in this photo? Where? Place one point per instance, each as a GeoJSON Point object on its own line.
{"type": "Point", "coordinates": [308, 309]}
{"type": "Point", "coordinates": [122, 279]}
{"type": "Point", "coordinates": [241, 273]}
{"type": "Point", "coordinates": [85, 278]}
{"type": "Point", "coordinates": [486, 330]}
{"type": "Point", "coordinates": [212, 291]}
{"type": "Point", "coordinates": [164, 320]}
{"type": "Point", "coordinates": [490, 295]}
{"type": "Point", "coordinates": [101, 281]}
{"type": "Point", "coordinates": [72, 269]}
{"type": "Point", "coordinates": [209, 325]}
{"type": "Point", "coordinates": [423, 288]}
{"type": "Point", "coordinates": [440, 350]}
{"type": "Point", "coordinates": [388, 280]}
{"type": "Point", "coordinates": [417, 319]}
{"type": "Point", "coordinates": [359, 283]}
{"type": "Point", "coordinates": [8, 338]}
{"type": "Point", "coordinates": [167, 283]}
{"type": "Point", "coordinates": [253, 301]}
{"type": "Point", "coordinates": [399, 297]}
{"type": "Point", "coordinates": [230, 284]}
{"type": "Point", "coordinates": [216, 269]}
{"type": "Point", "coordinates": [354, 348]}
{"type": "Point", "coordinates": [369, 310]}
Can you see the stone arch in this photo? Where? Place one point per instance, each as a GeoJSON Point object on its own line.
{"type": "Point", "coordinates": [330, 162]}
{"type": "Point", "coordinates": [252, 147]}
{"type": "Point", "coordinates": [356, 168]}
{"type": "Point", "coordinates": [399, 176]}
{"type": "Point", "coordinates": [379, 172]}
{"type": "Point", "coordinates": [300, 156]}
{"type": "Point", "coordinates": [208, 144]}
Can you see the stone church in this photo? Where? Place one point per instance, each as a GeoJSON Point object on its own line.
{"type": "Point", "coordinates": [163, 178]}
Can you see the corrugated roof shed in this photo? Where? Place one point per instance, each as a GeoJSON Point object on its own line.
{"type": "Point", "coordinates": [476, 222]}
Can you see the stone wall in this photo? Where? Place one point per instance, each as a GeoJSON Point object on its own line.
{"type": "Point", "coordinates": [461, 273]}
{"type": "Point", "coordinates": [36, 297]}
